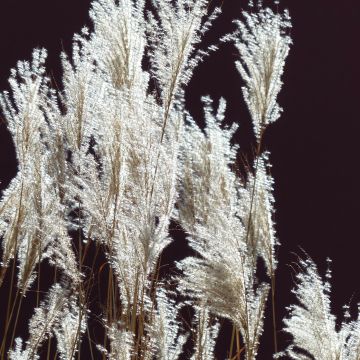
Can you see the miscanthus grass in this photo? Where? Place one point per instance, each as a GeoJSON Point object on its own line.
{"type": "Point", "coordinates": [107, 162]}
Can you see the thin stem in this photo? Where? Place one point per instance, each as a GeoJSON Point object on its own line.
{"type": "Point", "coordinates": [3, 344]}
{"type": "Point", "coordinates": [8, 316]}
{"type": "Point", "coordinates": [232, 342]}
{"type": "Point", "coordinates": [16, 321]}
{"type": "Point", "coordinates": [238, 347]}
{"type": "Point", "coordinates": [273, 310]}
{"type": "Point", "coordinates": [38, 279]}
{"type": "Point", "coordinates": [49, 342]}
{"type": "Point", "coordinates": [90, 345]}
{"type": "Point", "coordinates": [81, 294]}
{"type": "Point", "coordinates": [48, 350]}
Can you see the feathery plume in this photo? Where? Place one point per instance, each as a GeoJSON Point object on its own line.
{"type": "Point", "coordinates": [223, 277]}
{"type": "Point", "coordinates": [42, 323]}
{"type": "Point", "coordinates": [167, 341]}
{"type": "Point", "coordinates": [205, 335]}
{"type": "Point", "coordinates": [312, 324]}
{"type": "Point", "coordinates": [263, 46]}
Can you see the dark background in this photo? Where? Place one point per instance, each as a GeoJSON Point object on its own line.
{"type": "Point", "coordinates": [314, 145]}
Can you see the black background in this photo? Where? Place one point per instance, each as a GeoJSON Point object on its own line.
{"type": "Point", "coordinates": [314, 145]}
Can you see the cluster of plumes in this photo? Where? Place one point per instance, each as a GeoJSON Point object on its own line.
{"type": "Point", "coordinates": [106, 149]}
{"type": "Point", "coordinates": [116, 161]}
{"type": "Point", "coordinates": [229, 221]}
{"type": "Point", "coordinates": [32, 212]}
{"type": "Point", "coordinates": [57, 316]}
{"type": "Point", "coordinates": [313, 327]}
{"type": "Point", "coordinates": [211, 210]}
